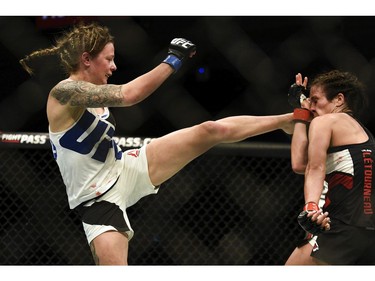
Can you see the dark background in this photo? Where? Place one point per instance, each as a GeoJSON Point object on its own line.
{"type": "Point", "coordinates": [249, 63]}
{"type": "Point", "coordinates": [243, 65]}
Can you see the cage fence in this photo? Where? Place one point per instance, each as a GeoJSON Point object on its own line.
{"type": "Point", "coordinates": [234, 205]}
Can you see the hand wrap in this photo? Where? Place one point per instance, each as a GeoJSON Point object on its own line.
{"type": "Point", "coordinates": [302, 115]}
{"type": "Point", "coordinates": [306, 223]}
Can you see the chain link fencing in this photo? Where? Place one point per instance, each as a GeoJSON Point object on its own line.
{"type": "Point", "coordinates": [235, 205]}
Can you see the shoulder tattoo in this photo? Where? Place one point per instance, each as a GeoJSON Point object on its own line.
{"type": "Point", "coordinates": [80, 93]}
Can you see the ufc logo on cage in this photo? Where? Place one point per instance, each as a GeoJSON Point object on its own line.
{"type": "Point", "coordinates": [182, 42]}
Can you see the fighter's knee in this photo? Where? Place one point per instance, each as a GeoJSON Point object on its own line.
{"type": "Point", "coordinates": [107, 256]}
{"type": "Point", "coordinates": [212, 128]}
{"type": "Point", "coordinates": [110, 248]}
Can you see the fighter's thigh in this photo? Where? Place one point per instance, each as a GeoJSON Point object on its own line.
{"type": "Point", "coordinates": [169, 154]}
{"type": "Point", "coordinates": [110, 248]}
{"type": "Point", "coordinates": [301, 256]}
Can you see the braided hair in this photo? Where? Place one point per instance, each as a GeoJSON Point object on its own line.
{"type": "Point", "coordinates": [90, 38]}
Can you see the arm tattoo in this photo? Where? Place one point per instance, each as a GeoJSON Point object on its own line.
{"type": "Point", "coordinates": [80, 93]}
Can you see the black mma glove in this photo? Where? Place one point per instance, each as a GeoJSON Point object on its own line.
{"type": "Point", "coordinates": [296, 95]}
{"type": "Point", "coordinates": [179, 49]}
{"type": "Point", "coordinates": [306, 223]}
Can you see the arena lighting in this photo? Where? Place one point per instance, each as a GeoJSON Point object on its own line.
{"type": "Point", "coordinates": [202, 74]}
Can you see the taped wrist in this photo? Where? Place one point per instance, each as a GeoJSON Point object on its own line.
{"type": "Point", "coordinates": [174, 62]}
{"type": "Point", "coordinates": [310, 207]}
{"type": "Point", "coordinates": [302, 115]}
{"type": "Point", "coordinates": [306, 223]}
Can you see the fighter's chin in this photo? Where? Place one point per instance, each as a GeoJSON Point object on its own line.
{"type": "Point", "coordinates": [106, 78]}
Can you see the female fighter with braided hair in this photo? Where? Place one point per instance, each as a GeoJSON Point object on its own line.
{"type": "Point", "coordinates": [335, 151]}
{"type": "Point", "coordinates": [101, 180]}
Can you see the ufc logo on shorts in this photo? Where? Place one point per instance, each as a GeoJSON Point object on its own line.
{"type": "Point", "coordinates": [182, 42]}
{"type": "Point", "coordinates": [134, 152]}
